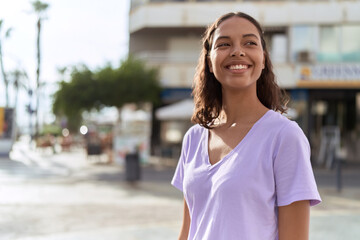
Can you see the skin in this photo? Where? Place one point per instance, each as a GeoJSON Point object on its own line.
{"type": "Point", "coordinates": [231, 46]}
{"type": "Point", "coordinates": [294, 220]}
{"type": "Point", "coordinates": [184, 232]}
{"type": "Point", "coordinates": [241, 107]}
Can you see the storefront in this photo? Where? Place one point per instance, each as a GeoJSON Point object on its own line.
{"type": "Point", "coordinates": [174, 122]}
{"type": "Point", "coordinates": [7, 130]}
{"type": "Point", "coordinates": [329, 95]}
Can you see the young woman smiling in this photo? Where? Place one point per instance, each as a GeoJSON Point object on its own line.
{"type": "Point", "coordinates": [244, 169]}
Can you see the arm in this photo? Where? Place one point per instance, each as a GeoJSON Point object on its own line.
{"type": "Point", "coordinates": [294, 221]}
{"type": "Point", "coordinates": [186, 223]}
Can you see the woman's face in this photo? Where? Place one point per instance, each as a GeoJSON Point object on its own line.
{"type": "Point", "coordinates": [236, 56]}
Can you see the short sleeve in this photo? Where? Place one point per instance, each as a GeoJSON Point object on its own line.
{"type": "Point", "coordinates": [178, 177]}
{"type": "Point", "coordinates": [294, 177]}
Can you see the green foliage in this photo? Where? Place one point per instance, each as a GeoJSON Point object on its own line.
{"type": "Point", "coordinates": [75, 96]}
{"type": "Point", "coordinates": [51, 129]}
{"type": "Point", "coordinates": [39, 7]}
{"type": "Point", "coordinates": [138, 84]}
{"type": "Point", "coordinates": [132, 82]}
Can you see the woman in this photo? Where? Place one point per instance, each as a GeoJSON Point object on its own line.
{"type": "Point", "coordinates": [244, 168]}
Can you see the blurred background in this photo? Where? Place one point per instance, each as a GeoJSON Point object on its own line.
{"type": "Point", "coordinates": [95, 97]}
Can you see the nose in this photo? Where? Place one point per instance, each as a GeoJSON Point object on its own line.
{"type": "Point", "coordinates": [237, 51]}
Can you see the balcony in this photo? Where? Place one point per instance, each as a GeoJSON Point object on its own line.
{"type": "Point", "coordinates": [180, 14]}
{"type": "Point", "coordinates": [163, 57]}
{"type": "Point", "coordinates": [177, 69]}
{"type": "Point", "coordinates": [137, 3]}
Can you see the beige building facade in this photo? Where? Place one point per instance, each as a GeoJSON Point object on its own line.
{"type": "Point", "coordinates": [314, 46]}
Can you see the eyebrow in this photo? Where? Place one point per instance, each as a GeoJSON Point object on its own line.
{"type": "Point", "coordinates": [250, 35]}
{"type": "Point", "coordinates": [244, 36]}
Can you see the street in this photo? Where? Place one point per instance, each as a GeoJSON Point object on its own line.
{"type": "Point", "coordinates": [66, 196]}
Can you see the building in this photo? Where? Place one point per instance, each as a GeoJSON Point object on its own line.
{"type": "Point", "coordinates": [314, 45]}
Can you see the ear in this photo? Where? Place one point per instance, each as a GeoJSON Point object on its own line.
{"type": "Point", "coordinates": [209, 63]}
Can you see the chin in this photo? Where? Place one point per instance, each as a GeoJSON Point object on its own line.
{"type": "Point", "coordinates": [239, 85]}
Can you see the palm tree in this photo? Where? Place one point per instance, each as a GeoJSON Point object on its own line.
{"type": "Point", "coordinates": [17, 81]}
{"type": "Point", "coordinates": [40, 9]}
{"type": "Point", "coordinates": [3, 73]}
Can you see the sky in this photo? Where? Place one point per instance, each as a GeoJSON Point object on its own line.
{"type": "Point", "coordinates": [90, 32]}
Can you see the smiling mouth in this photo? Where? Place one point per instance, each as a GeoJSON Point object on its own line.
{"type": "Point", "coordinates": [238, 67]}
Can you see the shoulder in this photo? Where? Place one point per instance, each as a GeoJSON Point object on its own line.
{"type": "Point", "coordinates": [195, 130]}
{"type": "Point", "coordinates": [192, 139]}
{"type": "Point", "coordinates": [283, 130]}
{"type": "Point", "coordinates": [290, 130]}
{"type": "Point", "coordinates": [287, 134]}
{"type": "Point", "coordinates": [194, 133]}
{"type": "Point", "coordinates": [277, 118]}
{"type": "Point", "coordinates": [278, 123]}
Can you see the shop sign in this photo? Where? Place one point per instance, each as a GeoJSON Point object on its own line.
{"type": "Point", "coordinates": [7, 130]}
{"type": "Point", "coordinates": [2, 122]}
{"type": "Point", "coordinates": [330, 72]}
{"type": "Point", "coordinates": [6, 122]}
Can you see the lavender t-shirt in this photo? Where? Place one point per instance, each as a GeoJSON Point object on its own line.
{"type": "Point", "coordinates": [237, 197]}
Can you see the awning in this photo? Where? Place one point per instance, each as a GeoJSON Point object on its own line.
{"type": "Point", "coordinates": [182, 110]}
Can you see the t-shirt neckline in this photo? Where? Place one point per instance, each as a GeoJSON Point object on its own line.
{"type": "Point", "coordinates": [250, 132]}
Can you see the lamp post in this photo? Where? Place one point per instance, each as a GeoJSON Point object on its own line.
{"type": "Point", "coordinates": [30, 111]}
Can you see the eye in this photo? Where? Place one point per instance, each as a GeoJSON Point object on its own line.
{"type": "Point", "coordinates": [251, 43]}
{"type": "Point", "coordinates": [222, 45]}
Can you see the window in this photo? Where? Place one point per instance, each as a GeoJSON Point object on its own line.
{"type": "Point", "coordinates": [332, 43]}
{"type": "Point", "coordinates": [304, 43]}
{"type": "Point", "coordinates": [350, 43]}
{"type": "Point", "coordinates": [329, 44]}
{"type": "Point", "coordinates": [276, 39]}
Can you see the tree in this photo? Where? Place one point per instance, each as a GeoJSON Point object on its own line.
{"type": "Point", "coordinates": [40, 9]}
{"type": "Point", "coordinates": [132, 82]}
{"type": "Point", "coordinates": [76, 96]}
{"type": "Point", "coordinates": [17, 76]}
{"type": "Point", "coordinates": [3, 73]}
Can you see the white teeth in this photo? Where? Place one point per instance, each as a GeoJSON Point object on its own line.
{"type": "Point", "coordinates": [232, 67]}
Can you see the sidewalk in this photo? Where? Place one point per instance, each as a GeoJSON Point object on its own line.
{"type": "Point", "coordinates": [151, 209]}
{"type": "Point", "coordinates": [336, 218]}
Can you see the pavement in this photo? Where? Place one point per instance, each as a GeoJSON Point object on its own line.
{"type": "Point", "coordinates": [68, 196]}
{"type": "Point", "coordinates": [338, 216]}
{"type": "Point", "coordinates": [65, 196]}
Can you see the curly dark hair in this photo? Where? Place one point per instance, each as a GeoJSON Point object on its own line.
{"type": "Point", "coordinates": [207, 89]}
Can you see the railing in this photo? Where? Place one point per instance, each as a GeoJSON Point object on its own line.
{"type": "Point", "coordinates": [137, 3]}
{"type": "Point", "coordinates": [160, 57]}
{"type": "Point", "coordinates": [178, 68]}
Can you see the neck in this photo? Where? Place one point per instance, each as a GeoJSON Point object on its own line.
{"type": "Point", "coordinates": [241, 107]}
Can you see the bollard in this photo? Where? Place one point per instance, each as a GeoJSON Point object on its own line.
{"type": "Point", "coordinates": [338, 174]}
{"type": "Point", "coordinates": [132, 167]}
